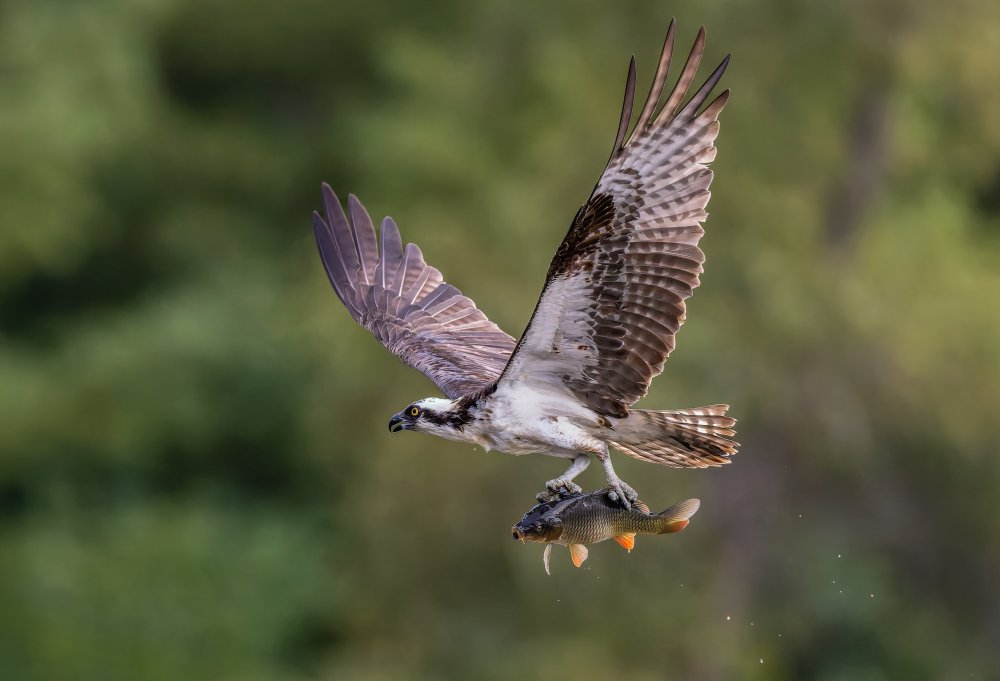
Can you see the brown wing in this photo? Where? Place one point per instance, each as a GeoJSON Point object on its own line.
{"type": "Point", "coordinates": [405, 303]}
{"type": "Point", "coordinates": [615, 292]}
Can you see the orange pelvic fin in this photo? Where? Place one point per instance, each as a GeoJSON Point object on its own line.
{"type": "Point", "coordinates": [626, 540]}
{"type": "Point", "coordinates": [578, 553]}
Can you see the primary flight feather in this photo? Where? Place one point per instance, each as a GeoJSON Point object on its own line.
{"type": "Point", "coordinates": [605, 323]}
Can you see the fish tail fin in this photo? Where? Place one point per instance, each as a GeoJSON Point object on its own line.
{"type": "Point", "coordinates": [677, 517]}
{"type": "Point", "coordinates": [684, 438]}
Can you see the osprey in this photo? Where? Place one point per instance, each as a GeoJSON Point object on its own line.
{"type": "Point", "coordinates": [605, 323]}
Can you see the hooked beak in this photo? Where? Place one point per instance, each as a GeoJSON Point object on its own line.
{"type": "Point", "coordinates": [397, 423]}
{"type": "Point", "coordinates": [518, 534]}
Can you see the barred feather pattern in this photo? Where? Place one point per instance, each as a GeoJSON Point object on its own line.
{"type": "Point", "coordinates": [615, 293]}
{"type": "Point", "coordinates": [687, 438]}
{"type": "Point", "coordinates": [405, 303]}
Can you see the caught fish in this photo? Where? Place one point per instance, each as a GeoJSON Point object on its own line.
{"type": "Point", "coordinates": [584, 519]}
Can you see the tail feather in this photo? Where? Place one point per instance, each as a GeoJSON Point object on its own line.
{"type": "Point", "coordinates": [685, 438]}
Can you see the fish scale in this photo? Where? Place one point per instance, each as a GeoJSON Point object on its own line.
{"type": "Point", "coordinates": [590, 523]}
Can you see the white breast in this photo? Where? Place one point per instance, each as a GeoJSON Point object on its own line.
{"type": "Point", "coordinates": [525, 419]}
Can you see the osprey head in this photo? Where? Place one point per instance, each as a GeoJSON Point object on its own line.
{"type": "Point", "coordinates": [429, 415]}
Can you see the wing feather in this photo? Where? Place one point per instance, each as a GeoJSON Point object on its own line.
{"type": "Point", "coordinates": [684, 82]}
{"type": "Point", "coordinates": [405, 304]}
{"type": "Point", "coordinates": [364, 239]}
{"type": "Point", "coordinates": [614, 296]}
{"type": "Point", "coordinates": [392, 255]}
{"type": "Point", "coordinates": [343, 238]}
{"type": "Point", "coordinates": [334, 264]}
{"type": "Point", "coordinates": [653, 98]}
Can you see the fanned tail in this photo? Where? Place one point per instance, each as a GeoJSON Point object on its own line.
{"type": "Point", "coordinates": [684, 438]}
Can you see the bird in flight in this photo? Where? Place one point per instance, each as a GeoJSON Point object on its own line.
{"type": "Point", "coordinates": [611, 305]}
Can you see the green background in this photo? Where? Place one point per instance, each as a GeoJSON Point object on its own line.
{"type": "Point", "coordinates": [196, 481]}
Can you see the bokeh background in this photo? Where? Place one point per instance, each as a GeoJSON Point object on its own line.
{"type": "Point", "coordinates": [196, 481]}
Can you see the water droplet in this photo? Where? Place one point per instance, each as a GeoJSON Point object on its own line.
{"type": "Point", "coordinates": [762, 660]}
{"type": "Point", "coordinates": [728, 618]}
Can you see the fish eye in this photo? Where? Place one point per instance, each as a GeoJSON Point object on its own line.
{"type": "Point", "coordinates": [414, 412]}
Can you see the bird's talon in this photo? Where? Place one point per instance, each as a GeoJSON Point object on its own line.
{"type": "Point", "coordinates": [622, 493]}
{"type": "Point", "coordinates": [559, 488]}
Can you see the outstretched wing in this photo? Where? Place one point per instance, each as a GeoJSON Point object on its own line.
{"type": "Point", "coordinates": [405, 303]}
{"type": "Point", "coordinates": [615, 291]}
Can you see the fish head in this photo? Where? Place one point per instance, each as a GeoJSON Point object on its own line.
{"type": "Point", "coordinates": [541, 527]}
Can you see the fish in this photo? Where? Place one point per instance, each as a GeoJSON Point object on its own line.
{"type": "Point", "coordinates": [581, 519]}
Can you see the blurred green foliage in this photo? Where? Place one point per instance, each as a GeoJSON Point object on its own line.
{"type": "Point", "coordinates": [195, 476]}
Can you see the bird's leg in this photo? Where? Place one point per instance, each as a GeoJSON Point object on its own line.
{"type": "Point", "coordinates": [563, 486]}
{"type": "Point", "coordinates": [620, 490]}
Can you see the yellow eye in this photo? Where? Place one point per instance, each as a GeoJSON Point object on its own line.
{"type": "Point", "coordinates": [414, 411]}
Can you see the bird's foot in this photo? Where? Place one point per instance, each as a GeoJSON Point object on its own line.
{"type": "Point", "coordinates": [621, 492]}
{"type": "Point", "coordinates": [559, 488]}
